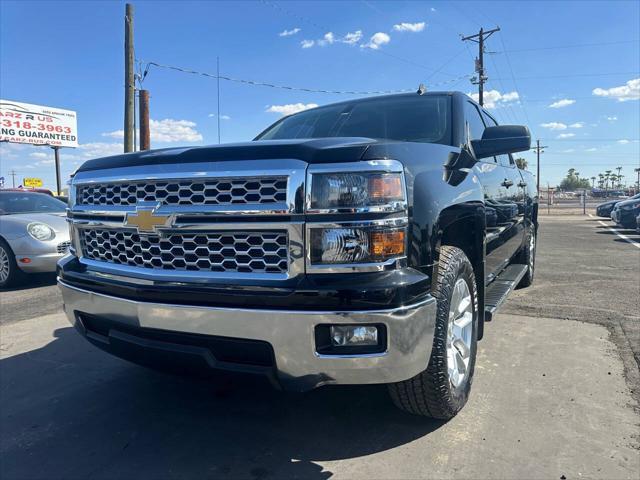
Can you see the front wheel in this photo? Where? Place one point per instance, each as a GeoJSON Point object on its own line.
{"type": "Point", "coordinates": [443, 388]}
{"type": "Point", "coordinates": [10, 274]}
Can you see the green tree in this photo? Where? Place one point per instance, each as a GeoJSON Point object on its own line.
{"type": "Point", "coordinates": [573, 181]}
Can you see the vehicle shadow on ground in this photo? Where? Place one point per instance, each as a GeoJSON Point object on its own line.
{"type": "Point", "coordinates": [33, 281]}
{"type": "Point", "coordinates": [70, 410]}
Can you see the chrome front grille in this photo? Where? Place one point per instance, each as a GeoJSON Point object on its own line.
{"type": "Point", "coordinates": [219, 251]}
{"type": "Point", "coordinates": [63, 247]}
{"type": "Point", "coordinates": [235, 219]}
{"type": "Point", "coordinates": [206, 191]}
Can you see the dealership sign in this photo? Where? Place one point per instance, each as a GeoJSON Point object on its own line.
{"type": "Point", "coordinates": [37, 125]}
{"type": "Point", "coordinates": [32, 182]}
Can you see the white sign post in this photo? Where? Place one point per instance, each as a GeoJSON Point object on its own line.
{"type": "Point", "coordinates": [38, 125]}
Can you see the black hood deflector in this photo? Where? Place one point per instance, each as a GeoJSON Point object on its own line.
{"type": "Point", "coordinates": [320, 150]}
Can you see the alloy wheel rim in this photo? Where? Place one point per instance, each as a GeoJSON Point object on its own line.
{"type": "Point", "coordinates": [4, 265]}
{"type": "Point", "coordinates": [459, 331]}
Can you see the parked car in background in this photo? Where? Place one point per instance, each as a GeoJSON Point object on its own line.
{"type": "Point", "coordinates": [605, 209]}
{"type": "Point", "coordinates": [625, 213]}
{"type": "Point", "coordinates": [34, 234]}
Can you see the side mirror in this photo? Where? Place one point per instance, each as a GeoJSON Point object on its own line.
{"type": "Point", "coordinates": [501, 140]}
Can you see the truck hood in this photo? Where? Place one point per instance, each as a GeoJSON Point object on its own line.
{"type": "Point", "coordinates": [317, 150]}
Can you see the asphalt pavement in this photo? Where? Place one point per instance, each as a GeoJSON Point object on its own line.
{"type": "Point", "coordinates": [555, 394]}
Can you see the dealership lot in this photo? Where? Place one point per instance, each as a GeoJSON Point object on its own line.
{"type": "Point", "coordinates": [555, 394]}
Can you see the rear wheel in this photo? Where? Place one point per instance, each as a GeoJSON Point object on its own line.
{"type": "Point", "coordinates": [443, 388]}
{"type": "Point", "coordinates": [10, 274]}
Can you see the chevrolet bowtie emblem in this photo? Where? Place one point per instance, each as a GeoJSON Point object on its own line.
{"type": "Point", "coordinates": [146, 220]}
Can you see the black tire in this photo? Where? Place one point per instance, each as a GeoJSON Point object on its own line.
{"type": "Point", "coordinates": [527, 256]}
{"type": "Point", "coordinates": [431, 393]}
{"type": "Point", "coordinates": [15, 275]}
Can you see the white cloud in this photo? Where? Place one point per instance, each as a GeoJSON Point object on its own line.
{"type": "Point", "coordinates": [39, 155]}
{"type": "Point", "coordinates": [554, 126]}
{"type": "Point", "coordinates": [612, 119]}
{"type": "Point", "coordinates": [222, 117]}
{"type": "Point", "coordinates": [376, 40]}
{"type": "Point", "coordinates": [494, 99]}
{"type": "Point", "coordinates": [409, 27]}
{"type": "Point", "coordinates": [288, 33]}
{"type": "Point", "coordinates": [327, 39]}
{"type": "Point", "coordinates": [290, 108]}
{"type": "Point", "coordinates": [566, 135]}
{"type": "Point", "coordinates": [433, 9]}
{"type": "Point", "coordinates": [628, 91]}
{"type": "Point", "coordinates": [43, 163]}
{"type": "Point", "coordinates": [167, 131]}
{"type": "Point", "coordinates": [624, 141]}
{"type": "Point", "coordinates": [352, 37]}
{"type": "Point", "coordinates": [565, 102]}
{"type": "Point", "coordinates": [97, 149]}
{"type": "Point", "coordinates": [592, 149]}
{"type": "Point", "coordinates": [568, 150]}
{"type": "Point", "coordinates": [577, 125]}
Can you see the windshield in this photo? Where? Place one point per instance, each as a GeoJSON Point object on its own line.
{"type": "Point", "coordinates": [409, 118]}
{"type": "Point", "coordinates": [28, 202]}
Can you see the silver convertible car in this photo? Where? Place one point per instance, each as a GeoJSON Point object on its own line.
{"type": "Point", "coordinates": [34, 234]}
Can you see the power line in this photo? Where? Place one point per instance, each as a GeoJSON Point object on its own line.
{"type": "Point", "coordinates": [569, 75]}
{"type": "Point", "coordinates": [515, 84]}
{"type": "Point", "coordinates": [590, 139]}
{"type": "Point", "coordinates": [300, 89]}
{"type": "Point", "coordinates": [575, 45]}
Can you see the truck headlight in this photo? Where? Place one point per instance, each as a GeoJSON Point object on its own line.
{"type": "Point", "coordinates": [356, 245]}
{"type": "Point", "coordinates": [41, 231]}
{"type": "Point", "coordinates": [357, 191]}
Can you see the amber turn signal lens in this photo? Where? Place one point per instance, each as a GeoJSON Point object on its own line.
{"type": "Point", "coordinates": [385, 187]}
{"type": "Point", "coordinates": [387, 243]}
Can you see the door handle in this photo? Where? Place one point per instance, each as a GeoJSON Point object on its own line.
{"type": "Point", "coordinates": [507, 183]}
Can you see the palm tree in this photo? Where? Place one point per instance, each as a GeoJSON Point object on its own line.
{"type": "Point", "coordinates": [607, 176]}
{"type": "Point", "coordinates": [618, 168]}
{"type": "Point", "coordinates": [593, 182]}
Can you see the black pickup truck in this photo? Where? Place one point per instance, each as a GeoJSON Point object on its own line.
{"type": "Point", "coordinates": [362, 242]}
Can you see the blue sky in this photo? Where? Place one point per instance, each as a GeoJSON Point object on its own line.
{"type": "Point", "coordinates": [69, 55]}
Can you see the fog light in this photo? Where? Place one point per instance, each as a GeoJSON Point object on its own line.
{"type": "Point", "coordinates": [353, 335]}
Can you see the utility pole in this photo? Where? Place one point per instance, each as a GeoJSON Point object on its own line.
{"type": "Point", "coordinates": [479, 38]}
{"type": "Point", "coordinates": [145, 133]}
{"type": "Point", "coordinates": [539, 149]}
{"type": "Point", "coordinates": [13, 178]}
{"type": "Point", "coordinates": [56, 153]}
{"type": "Point", "coordinates": [129, 80]}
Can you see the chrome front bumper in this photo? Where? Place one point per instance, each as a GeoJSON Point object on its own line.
{"type": "Point", "coordinates": [298, 366]}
